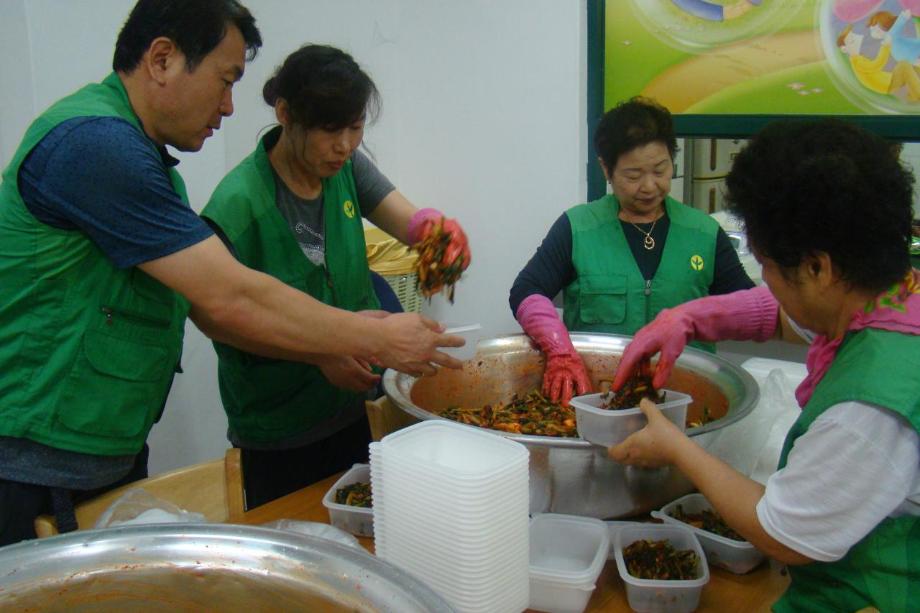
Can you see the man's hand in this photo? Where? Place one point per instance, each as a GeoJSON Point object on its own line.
{"type": "Point", "coordinates": [411, 345]}
{"type": "Point", "coordinates": [348, 373]}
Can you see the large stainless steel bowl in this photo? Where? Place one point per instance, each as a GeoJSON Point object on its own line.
{"type": "Point", "coordinates": [571, 475]}
{"type": "Point", "coordinates": [203, 567]}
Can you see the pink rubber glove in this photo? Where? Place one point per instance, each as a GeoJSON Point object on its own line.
{"type": "Point", "coordinates": [422, 222]}
{"type": "Point", "coordinates": [565, 373]}
{"type": "Point", "coordinates": [745, 315]}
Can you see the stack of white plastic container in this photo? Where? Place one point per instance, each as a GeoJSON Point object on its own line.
{"type": "Point", "coordinates": [451, 507]}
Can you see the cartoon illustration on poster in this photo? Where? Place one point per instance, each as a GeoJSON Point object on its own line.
{"type": "Point", "coordinates": [839, 57]}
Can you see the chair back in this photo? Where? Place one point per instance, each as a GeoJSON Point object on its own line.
{"type": "Point", "coordinates": [384, 417]}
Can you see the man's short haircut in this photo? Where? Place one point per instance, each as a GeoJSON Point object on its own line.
{"type": "Point", "coordinates": [195, 26]}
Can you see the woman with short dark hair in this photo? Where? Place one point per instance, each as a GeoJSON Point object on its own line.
{"type": "Point", "coordinates": [621, 259]}
{"type": "Point", "coordinates": [827, 207]}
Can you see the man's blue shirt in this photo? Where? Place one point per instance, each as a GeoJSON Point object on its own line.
{"type": "Point", "coordinates": [100, 176]}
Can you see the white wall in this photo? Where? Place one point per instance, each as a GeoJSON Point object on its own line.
{"type": "Point", "coordinates": [483, 117]}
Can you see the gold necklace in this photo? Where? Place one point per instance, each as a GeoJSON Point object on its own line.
{"type": "Point", "coordinates": [648, 242]}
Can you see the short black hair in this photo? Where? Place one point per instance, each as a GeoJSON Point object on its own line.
{"type": "Point", "coordinates": [324, 88]}
{"type": "Point", "coordinates": [630, 124]}
{"type": "Point", "coordinates": [196, 26]}
{"type": "Point", "coordinates": [803, 187]}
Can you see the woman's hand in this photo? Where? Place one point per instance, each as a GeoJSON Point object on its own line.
{"type": "Point", "coordinates": [424, 221]}
{"type": "Point", "coordinates": [745, 315]}
{"type": "Point", "coordinates": [459, 246]}
{"type": "Point", "coordinates": [349, 373]}
{"type": "Point", "coordinates": [653, 445]}
{"type": "Point", "coordinates": [565, 376]}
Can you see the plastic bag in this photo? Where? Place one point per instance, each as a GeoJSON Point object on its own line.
{"type": "Point", "coordinates": [138, 506]}
{"type": "Point", "coordinates": [318, 529]}
{"type": "Point", "coordinates": [779, 393]}
{"type": "Point", "coordinates": [752, 445]}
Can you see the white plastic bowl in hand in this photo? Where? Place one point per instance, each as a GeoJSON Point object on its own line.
{"type": "Point", "coordinates": [472, 333]}
{"type": "Point", "coordinates": [608, 427]}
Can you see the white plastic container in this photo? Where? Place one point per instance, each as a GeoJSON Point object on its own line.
{"type": "Point", "coordinates": [356, 520]}
{"type": "Point", "coordinates": [450, 507]}
{"type": "Point", "coordinates": [472, 333]}
{"type": "Point", "coordinates": [567, 554]}
{"type": "Point", "coordinates": [609, 427]}
{"type": "Point", "coordinates": [734, 556]}
{"type": "Point", "coordinates": [661, 596]}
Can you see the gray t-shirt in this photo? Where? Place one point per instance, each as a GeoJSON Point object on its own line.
{"type": "Point", "coordinates": [305, 216]}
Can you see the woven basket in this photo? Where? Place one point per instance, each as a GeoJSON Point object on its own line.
{"type": "Point", "coordinates": [395, 262]}
{"type": "Point", "coordinates": [404, 288]}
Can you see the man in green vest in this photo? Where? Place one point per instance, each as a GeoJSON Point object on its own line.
{"type": "Point", "coordinates": [104, 258]}
{"type": "Point", "coordinates": [827, 207]}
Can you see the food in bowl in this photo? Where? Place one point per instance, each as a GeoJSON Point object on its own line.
{"type": "Point", "coordinates": [531, 414]}
{"type": "Point", "coordinates": [637, 387]}
{"type": "Point", "coordinates": [355, 494]}
{"type": "Point", "coordinates": [660, 560]}
{"type": "Point", "coordinates": [706, 519]}
{"type": "Point", "coordinates": [534, 414]}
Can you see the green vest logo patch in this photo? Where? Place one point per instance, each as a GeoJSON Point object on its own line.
{"type": "Point", "coordinates": [696, 262]}
{"type": "Point", "coordinates": [349, 207]}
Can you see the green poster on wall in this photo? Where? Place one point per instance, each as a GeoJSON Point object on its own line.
{"type": "Point", "coordinates": [723, 66]}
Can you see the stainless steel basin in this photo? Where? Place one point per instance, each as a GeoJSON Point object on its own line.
{"type": "Point", "coordinates": [571, 475]}
{"type": "Point", "coordinates": [203, 567]}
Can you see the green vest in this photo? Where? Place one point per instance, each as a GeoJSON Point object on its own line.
{"type": "Point", "coordinates": [609, 293]}
{"type": "Point", "coordinates": [267, 400]}
{"type": "Point", "coordinates": [883, 569]}
{"type": "Point", "coordinates": [87, 351]}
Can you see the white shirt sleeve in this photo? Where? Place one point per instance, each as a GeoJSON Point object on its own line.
{"type": "Point", "coordinates": [856, 465]}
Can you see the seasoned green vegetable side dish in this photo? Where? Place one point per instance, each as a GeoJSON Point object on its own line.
{"type": "Point", "coordinates": [532, 414]}
{"type": "Point", "coordinates": [707, 520]}
{"type": "Point", "coordinates": [433, 273]}
{"type": "Point", "coordinates": [638, 386]}
{"type": "Point", "coordinates": [356, 495]}
{"type": "Point", "coordinates": [646, 559]}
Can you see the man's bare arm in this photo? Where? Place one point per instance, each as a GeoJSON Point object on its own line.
{"type": "Point", "coordinates": [255, 312]}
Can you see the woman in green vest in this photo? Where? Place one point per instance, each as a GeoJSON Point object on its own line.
{"type": "Point", "coordinates": [621, 259]}
{"type": "Point", "coordinates": [294, 209]}
{"type": "Point", "coordinates": [827, 207]}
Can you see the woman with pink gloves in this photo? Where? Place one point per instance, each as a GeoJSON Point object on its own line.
{"type": "Point", "coordinates": [294, 209]}
{"type": "Point", "coordinates": [623, 258]}
{"type": "Point", "coordinates": [827, 207]}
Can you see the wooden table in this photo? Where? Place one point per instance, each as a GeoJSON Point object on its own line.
{"type": "Point", "coordinates": [725, 592]}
